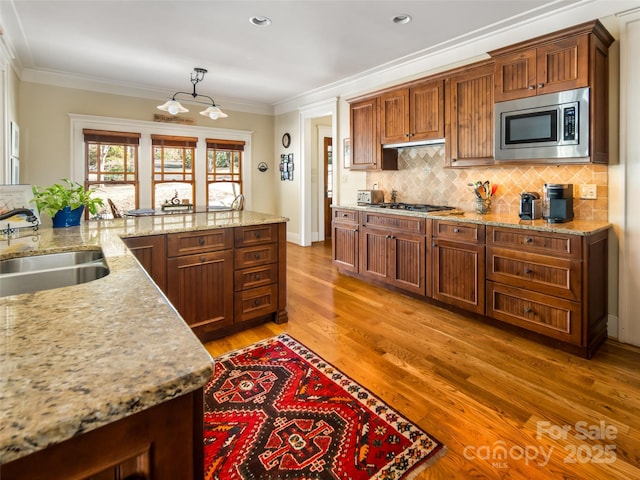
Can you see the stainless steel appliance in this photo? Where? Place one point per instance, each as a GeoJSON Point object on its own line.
{"type": "Point", "coordinates": [552, 126]}
{"type": "Point", "coordinates": [557, 206]}
{"type": "Point", "coordinates": [413, 207]}
{"type": "Point", "coordinates": [370, 197]}
{"type": "Point", "coordinates": [530, 206]}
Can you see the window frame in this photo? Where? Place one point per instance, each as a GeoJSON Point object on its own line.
{"type": "Point", "coordinates": [215, 145]}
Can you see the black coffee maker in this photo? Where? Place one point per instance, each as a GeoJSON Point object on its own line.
{"type": "Point", "coordinates": [557, 204]}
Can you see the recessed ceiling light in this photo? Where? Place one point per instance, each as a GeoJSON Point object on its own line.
{"type": "Point", "coordinates": [260, 21]}
{"type": "Point", "coordinates": [401, 19]}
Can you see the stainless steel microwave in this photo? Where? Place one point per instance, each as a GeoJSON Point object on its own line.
{"type": "Point", "coordinates": [551, 126]}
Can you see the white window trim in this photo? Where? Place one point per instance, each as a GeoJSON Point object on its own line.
{"type": "Point", "coordinates": [145, 168]}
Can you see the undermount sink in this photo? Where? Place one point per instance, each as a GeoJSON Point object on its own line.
{"type": "Point", "coordinates": [55, 270]}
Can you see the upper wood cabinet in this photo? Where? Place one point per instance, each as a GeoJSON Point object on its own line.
{"type": "Point", "coordinates": [366, 149]}
{"type": "Point", "coordinates": [564, 60]}
{"type": "Point", "coordinates": [413, 114]}
{"type": "Point", "coordinates": [470, 117]}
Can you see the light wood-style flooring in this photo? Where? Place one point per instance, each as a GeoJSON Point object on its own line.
{"type": "Point", "coordinates": [504, 406]}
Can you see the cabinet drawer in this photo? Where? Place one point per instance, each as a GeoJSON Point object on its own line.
{"type": "Point", "coordinates": [255, 277]}
{"type": "Point", "coordinates": [255, 302]}
{"type": "Point", "coordinates": [551, 275]}
{"type": "Point", "coordinates": [256, 235]}
{"type": "Point", "coordinates": [568, 246]}
{"type": "Point", "coordinates": [396, 222]}
{"type": "Point", "coordinates": [345, 216]}
{"type": "Point", "coordinates": [254, 256]}
{"type": "Point", "coordinates": [199, 242]}
{"type": "Point", "coordinates": [463, 232]}
{"type": "Point", "coordinates": [551, 316]}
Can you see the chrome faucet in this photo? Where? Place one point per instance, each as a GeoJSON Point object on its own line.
{"type": "Point", "coordinates": [19, 211]}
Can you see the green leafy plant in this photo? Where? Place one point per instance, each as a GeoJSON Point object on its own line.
{"type": "Point", "coordinates": [52, 199]}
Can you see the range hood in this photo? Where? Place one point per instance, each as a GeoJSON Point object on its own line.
{"type": "Point", "coordinates": [417, 143]}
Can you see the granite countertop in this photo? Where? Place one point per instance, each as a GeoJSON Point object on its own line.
{"type": "Point", "coordinates": [576, 227]}
{"type": "Point", "coordinates": [76, 358]}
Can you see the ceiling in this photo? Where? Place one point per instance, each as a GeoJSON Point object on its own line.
{"type": "Point", "coordinates": [311, 44]}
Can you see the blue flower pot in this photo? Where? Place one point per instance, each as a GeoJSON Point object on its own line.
{"type": "Point", "coordinates": [67, 217]}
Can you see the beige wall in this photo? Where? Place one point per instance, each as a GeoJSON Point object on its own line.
{"type": "Point", "coordinates": [287, 191]}
{"type": "Point", "coordinates": [46, 139]}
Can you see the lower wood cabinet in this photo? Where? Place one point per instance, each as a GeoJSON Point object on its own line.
{"type": "Point", "coordinates": [553, 284]}
{"type": "Point", "coordinates": [220, 280]}
{"type": "Point", "coordinates": [163, 442]}
{"type": "Point", "coordinates": [458, 260]}
{"type": "Point", "coordinates": [393, 251]}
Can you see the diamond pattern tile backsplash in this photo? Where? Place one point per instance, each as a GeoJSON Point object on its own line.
{"type": "Point", "coordinates": [422, 178]}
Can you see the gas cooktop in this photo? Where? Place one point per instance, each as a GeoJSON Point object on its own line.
{"type": "Point", "coordinates": [414, 207]}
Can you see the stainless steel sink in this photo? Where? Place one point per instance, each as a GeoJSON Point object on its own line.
{"type": "Point", "coordinates": [48, 261]}
{"type": "Point", "coordinates": [56, 270]}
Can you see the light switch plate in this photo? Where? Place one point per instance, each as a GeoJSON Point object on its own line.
{"type": "Point", "coordinates": [588, 191]}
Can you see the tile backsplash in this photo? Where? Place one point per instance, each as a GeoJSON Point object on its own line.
{"type": "Point", "coordinates": [422, 178]}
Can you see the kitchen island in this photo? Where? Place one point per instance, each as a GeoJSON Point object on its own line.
{"type": "Point", "coordinates": [80, 360]}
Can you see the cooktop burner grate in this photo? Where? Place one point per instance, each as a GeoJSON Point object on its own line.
{"type": "Point", "coordinates": [414, 207]}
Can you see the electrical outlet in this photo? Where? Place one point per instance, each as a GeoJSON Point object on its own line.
{"type": "Point", "coordinates": [588, 191]}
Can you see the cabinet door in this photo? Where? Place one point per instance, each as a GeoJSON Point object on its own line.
{"type": "Point", "coordinates": [394, 116]}
{"type": "Point", "coordinates": [563, 65]}
{"type": "Point", "coordinates": [151, 252]}
{"type": "Point", "coordinates": [374, 254]}
{"type": "Point", "coordinates": [365, 141]}
{"type": "Point", "coordinates": [471, 118]}
{"type": "Point", "coordinates": [516, 75]}
{"type": "Point", "coordinates": [201, 289]}
{"type": "Point", "coordinates": [426, 111]}
{"type": "Point", "coordinates": [407, 262]}
{"type": "Point", "coordinates": [458, 274]}
{"type": "Point", "coordinates": [345, 246]}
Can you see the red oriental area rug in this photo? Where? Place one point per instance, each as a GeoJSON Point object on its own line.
{"type": "Point", "coordinates": [276, 410]}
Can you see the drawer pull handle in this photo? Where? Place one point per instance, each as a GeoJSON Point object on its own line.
{"type": "Point", "coordinates": [256, 277]}
{"type": "Point", "coordinates": [528, 240]}
{"type": "Point", "coordinates": [345, 215]}
{"type": "Point", "coordinates": [257, 302]}
{"type": "Point", "coordinates": [203, 259]}
{"type": "Point", "coordinates": [540, 85]}
{"type": "Point", "coordinates": [256, 256]}
{"type": "Point", "coordinates": [256, 235]}
{"type": "Point", "coordinates": [528, 271]}
{"type": "Point", "coordinates": [532, 87]}
{"type": "Point", "coordinates": [456, 230]}
{"type": "Point", "coordinates": [201, 241]}
{"type": "Point", "coordinates": [528, 310]}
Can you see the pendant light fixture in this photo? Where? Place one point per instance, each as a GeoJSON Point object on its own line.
{"type": "Point", "coordinates": [174, 107]}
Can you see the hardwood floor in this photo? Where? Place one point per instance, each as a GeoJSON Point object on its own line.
{"type": "Point", "coordinates": [504, 405]}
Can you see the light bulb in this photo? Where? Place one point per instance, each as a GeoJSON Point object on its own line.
{"type": "Point", "coordinates": [173, 109]}
{"type": "Point", "coordinates": [213, 115]}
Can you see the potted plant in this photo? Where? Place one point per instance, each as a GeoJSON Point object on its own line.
{"type": "Point", "coordinates": [65, 203]}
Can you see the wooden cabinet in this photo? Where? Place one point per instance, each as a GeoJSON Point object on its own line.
{"type": "Point", "coordinates": [458, 259]}
{"type": "Point", "coordinates": [553, 67]}
{"type": "Point", "coordinates": [222, 279]}
{"type": "Point", "coordinates": [200, 278]}
{"type": "Point", "coordinates": [414, 113]}
{"type": "Point", "coordinates": [565, 60]}
{"type": "Point", "coordinates": [255, 272]}
{"type": "Point", "coordinates": [549, 283]}
{"type": "Point", "coordinates": [345, 240]}
{"type": "Point", "coordinates": [393, 251]}
{"type": "Point", "coordinates": [151, 252]}
{"type": "Point", "coordinates": [163, 442]}
{"type": "Point", "coordinates": [366, 149]}
{"type": "Point", "coordinates": [470, 117]}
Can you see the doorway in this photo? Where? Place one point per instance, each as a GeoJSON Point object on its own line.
{"type": "Point", "coordinates": [327, 151]}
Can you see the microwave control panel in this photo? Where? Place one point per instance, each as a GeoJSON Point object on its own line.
{"type": "Point", "coordinates": [569, 117]}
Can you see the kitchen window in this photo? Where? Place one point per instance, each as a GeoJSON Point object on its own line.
{"type": "Point", "coordinates": [173, 169]}
{"type": "Point", "coordinates": [224, 171]}
{"type": "Point", "coordinates": [111, 168]}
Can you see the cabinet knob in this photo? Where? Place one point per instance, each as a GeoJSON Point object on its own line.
{"type": "Point", "coordinates": [528, 271]}
{"type": "Point", "coordinates": [203, 259]}
{"type": "Point", "coordinates": [201, 241]}
{"type": "Point", "coordinates": [456, 230]}
{"type": "Point", "coordinates": [256, 256]}
{"type": "Point", "coordinates": [257, 302]}
{"type": "Point", "coordinates": [528, 310]}
{"type": "Point", "coordinates": [528, 240]}
{"type": "Point", "coordinates": [256, 235]}
{"type": "Point", "coordinates": [532, 87]}
{"type": "Point", "coordinates": [540, 85]}
{"type": "Point", "coordinates": [256, 277]}
{"type": "Point", "coordinates": [345, 215]}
